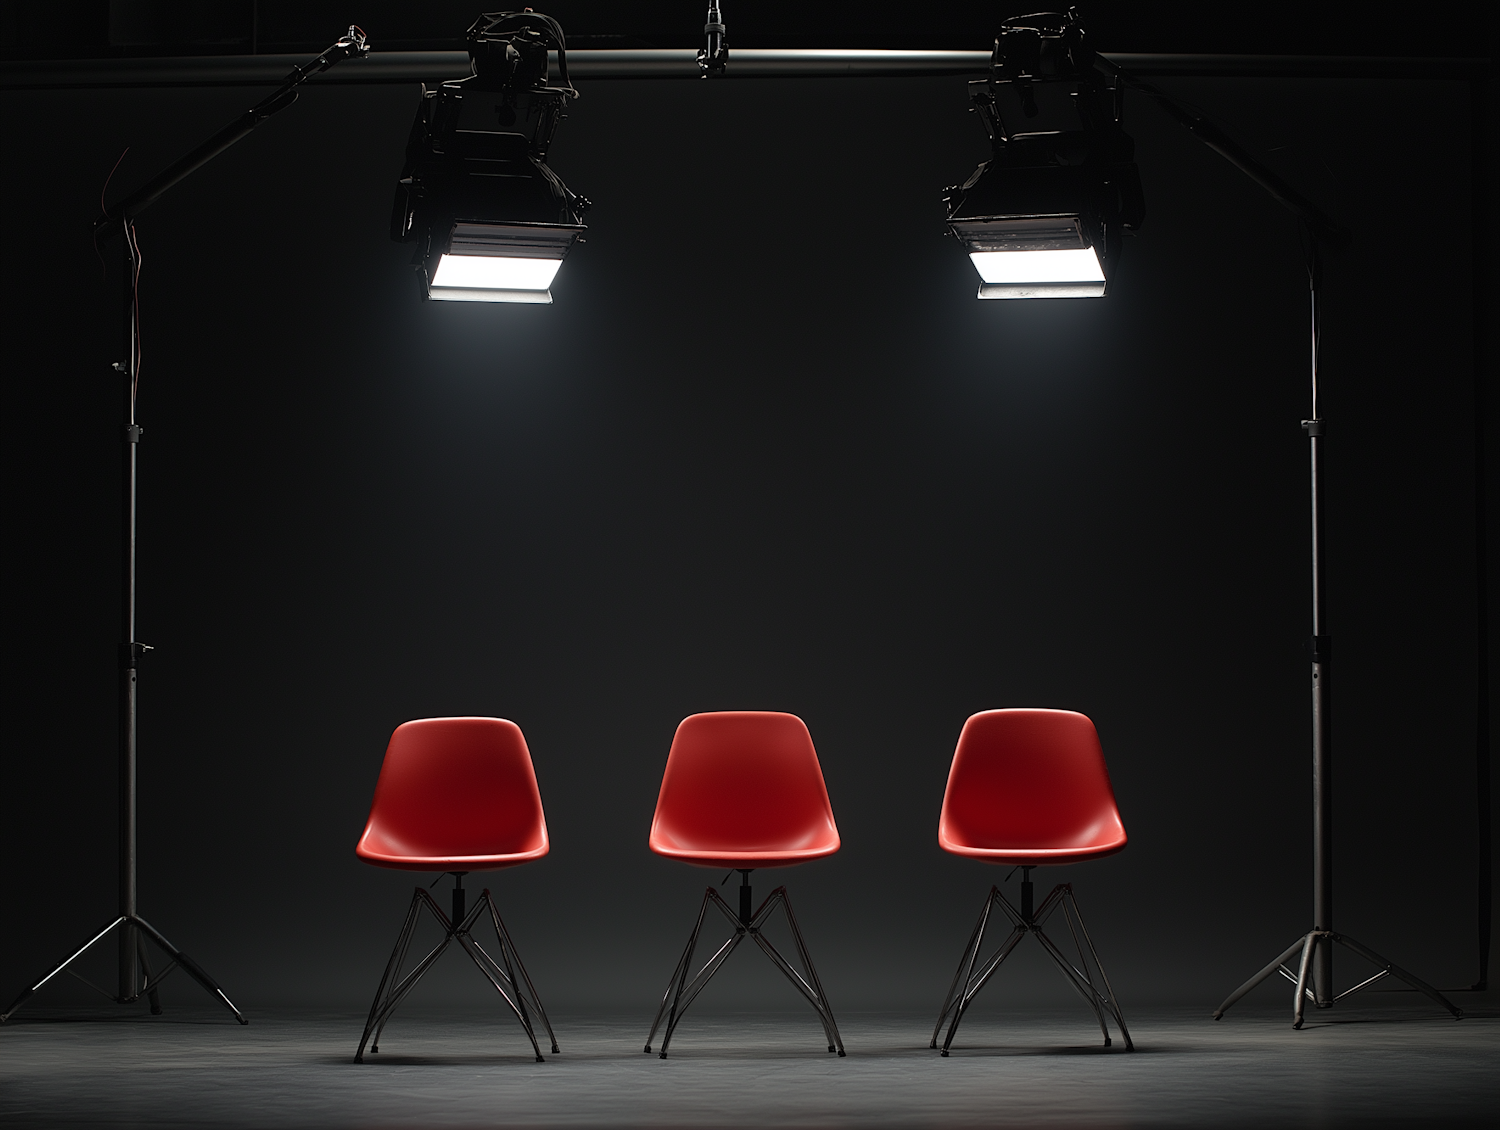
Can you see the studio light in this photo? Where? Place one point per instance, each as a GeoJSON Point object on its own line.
{"type": "Point", "coordinates": [1042, 218]}
{"type": "Point", "coordinates": [490, 220]}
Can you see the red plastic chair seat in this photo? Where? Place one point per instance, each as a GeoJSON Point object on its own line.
{"type": "Point", "coordinates": [1030, 787]}
{"type": "Point", "coordinates": [455, 794]}
{"type": "Point", "coordinates": [743, 789]}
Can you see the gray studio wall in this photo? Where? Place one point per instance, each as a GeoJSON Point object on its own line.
{"type": "Point", "coordinates": [766, 451]}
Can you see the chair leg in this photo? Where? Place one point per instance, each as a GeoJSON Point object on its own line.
{"type": "Point", "coordinates": [965, 965]}
{"type": "Point", "coordinates": [1109, 998]}
{"type": "Point", "coordinates": [509, 952]}
{"type": "Point", "coordinates": [674, 983]}
{"type": "Point", "coordinates": [496, 977]}
{"type": "Point", "coordinates": [394, 988]}
{"type": "Point", "coordinates": [400, 961]}
{"type": "Point", "coordinates": [681, 992]}
{"type": "Point", "coordinates": [389, 978]}
{"type": "Point", "coordinates": [970, 984]}
{"type": "Point", "coordinates": [1079, 977]}
{"type": "Point", "coordinates": [973, 985]}
{"type": "Point", "coordinates": [966, 984]}
{"type": "Point", "coordinates": [812, 991]}
{"type": "Point", "coordinates": [502, 980]}
{"type": "Point", "coordinates": [958, 973]}
{"type": "Point", "coordinates": [687, 991]}
{"type": "Point", "coordinates": [1078, 980]}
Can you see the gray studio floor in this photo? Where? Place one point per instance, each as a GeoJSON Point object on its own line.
{"type": "Point", "coordinates": [1388, 1065]}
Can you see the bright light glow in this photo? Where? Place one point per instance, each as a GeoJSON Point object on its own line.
{"type": "Point", "coordinates": [1070, 265]}
{"type": "Point", "coordinates": [494, 272]}
{"type": "Point", "coordinates": [475, 294]}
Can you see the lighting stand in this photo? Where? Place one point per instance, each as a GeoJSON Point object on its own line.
{"type": "Point", "coordinates": [1314, 976]}
{"type": "Point", "coordinates": [135, 977]}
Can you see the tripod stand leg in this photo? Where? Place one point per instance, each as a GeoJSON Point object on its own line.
{"type": "Point", "coordinates": [1268, 971]}
{"type": "Point", "coordinates": [152, 996]}
{"type": "Point", "coordinates": [1309, 947]}
{"type": "Point", "coordinates": [1396, 971]}
{"type": "Point", "coordinates": [67, 961]}
{"type": "Point", "coordinates": [194, 970]}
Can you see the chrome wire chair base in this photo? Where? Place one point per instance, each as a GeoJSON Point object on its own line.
{"type": "Point", "coordinates": [140, 929]}
{"type": "Point", "coordinates": [681, 992]}
{"type": "Point", "coordinates": [508, 975]}
{"type": "Point", "coordinates": [967, 981]}
{"type": "Point", "coordinates": [1308, 946]}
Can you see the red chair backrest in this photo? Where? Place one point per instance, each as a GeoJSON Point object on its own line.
{"type": "Point", "coordinates": [1029, 779]}
{"type": "Point", "coordinates": [743, 780]}
{"type": "Point", "coordinates": [456, 787]}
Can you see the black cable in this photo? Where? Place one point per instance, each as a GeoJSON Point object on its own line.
{"type": "Point", "coordinates": [525, 20]}
{"type": "Point", "coordinates": [103, 211]}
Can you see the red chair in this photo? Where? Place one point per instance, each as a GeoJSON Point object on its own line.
{"type": "Point", "coordinates": [1028, 788]}
{"type": "Point", "coordinates": [743, 790]}
{"type": "Point", "coordinates": [455, 795]}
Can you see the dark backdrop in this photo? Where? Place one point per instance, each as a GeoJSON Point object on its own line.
{"type": "Point", "coordinates": [766, 451]}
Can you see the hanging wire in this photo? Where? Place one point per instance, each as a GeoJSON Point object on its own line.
{"type": "Point", "coordinates": [1311, 254]}
{"type": "Point", "coordinates": [132, 244]}
{"type": "Point", "coordinates": [103, 211]}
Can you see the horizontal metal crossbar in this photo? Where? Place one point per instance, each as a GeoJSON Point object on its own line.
{"type": "Point", "coordinates": [382, 67]}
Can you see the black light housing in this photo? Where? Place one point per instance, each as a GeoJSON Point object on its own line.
{"type": "Point", "coordinates": [1042, 218]}
{"type": "Point", "coordinates": [490, 220]}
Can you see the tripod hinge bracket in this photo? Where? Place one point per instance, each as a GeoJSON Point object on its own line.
{"type": "Point", "coordinates": [1312, 428]}
{"type": "Point", "coordinates": [133, 433]}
